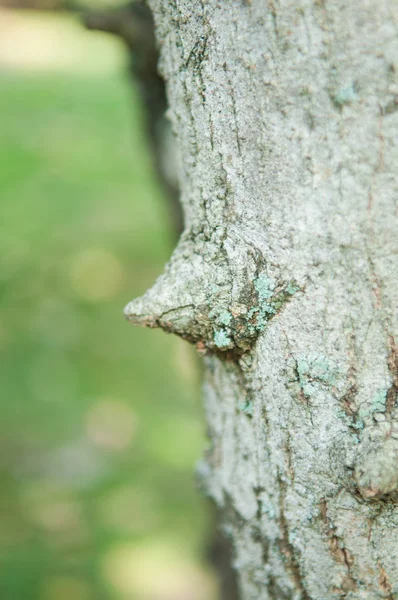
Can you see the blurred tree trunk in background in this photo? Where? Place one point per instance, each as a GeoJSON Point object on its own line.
{"type": "Point", "coordinates": [36, 4]}
{"type": "Point", "coordinates": [286, 280]}
{"type": "Point", "coordinates": [133, 24]}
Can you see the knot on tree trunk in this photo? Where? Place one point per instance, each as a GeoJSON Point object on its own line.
{"type": "Point", "coordinates": [215, 295]}
{"type": "Point", "coordinates": [376, 468]}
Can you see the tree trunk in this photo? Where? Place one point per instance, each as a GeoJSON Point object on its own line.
{"type": "Point", "coordinates": [285, 278]}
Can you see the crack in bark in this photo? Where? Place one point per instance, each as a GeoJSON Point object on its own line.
{"type": "Point", "coordinates": [348, 400]}
{"type": "Point", "coordinates": [286, 546]}
{"type": "Point", "coordinates": [339, 552]}
{"type": "Point", "coordinates": [385, 585]}
{"type": "Point", "coordinates": [392, 363]}
{"type": "Point", "coordinates": [234, 109]}
{"type": "Point", "coordinates": [288, 452]}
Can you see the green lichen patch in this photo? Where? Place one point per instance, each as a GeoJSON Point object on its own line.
{"type": "Point", "coordinates": [379, 401]}
{"type": "Point", "coordinates": [314, 370]}
{"type": "Point", "coordinates": [235, 327]}
{"type": "Point", "coordinates": [221, 339]}
{"type": "Point", "coordinates": [377, 405]}
{"type": "Point", "coordinates": [345, 96]}
{"type": "Point", "coordinates": [264, 287]}
{"type": "Point", "coordinates": [224, 318]}
{"type": "Point", "coordinates": [270, 302]}
{"type": "Point", "coordinates": [247, 408]}
{"type": "Point", "coordinates": [267, 509]}
{"type": "Point", "coordinates": [291, 288]}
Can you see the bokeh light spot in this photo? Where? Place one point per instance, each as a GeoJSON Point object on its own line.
{"type": "Point", "coordinates": [129, 509]}
{"type": "Point", "coordinates": [96, 275]}
{"type": "Point", "coordinates": [66, 588]}
{"type": "Point", "coordinates": [51, 508]}
{"type": "Point", "coordinates": [156, 570]}
{"type": "Point", "coordinates": [111, 424]}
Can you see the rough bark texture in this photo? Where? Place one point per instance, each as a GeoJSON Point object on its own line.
{"type": "Point", "coordinates": [286, 114]}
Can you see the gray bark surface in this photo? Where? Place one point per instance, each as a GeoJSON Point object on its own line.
{"type": "Point", "coordinates": [285, 278]}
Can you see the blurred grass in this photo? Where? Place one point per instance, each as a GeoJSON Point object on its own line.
{"type": "Point", "coordinates": [99, 422]}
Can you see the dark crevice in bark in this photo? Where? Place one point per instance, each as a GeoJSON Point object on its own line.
{"type": "Point", "coordinates": [348, 400]}
{"type": "Point", "coordinates": [288, 453]}
{"type": "Point", "coordinates": [392, 363]}
{"type": "Point", "coordinates": [198, 53]}
{"type": "Point", "coordinates": [257, 535]}
{"type": "Point", "coordinates": [275, 591]}
{"type": "Point", "coordinates": [338, 551]}
{"type": "Point", "coordinates": [234, 109]}
{"type": "Point", "coordinates": [286, 547]}
{"type": "Point", "coordinates": [303, 398]}
{"type": "Point", "coordinates": [385, 585]}
{"type": "Point", "coordinates": [391, 106]}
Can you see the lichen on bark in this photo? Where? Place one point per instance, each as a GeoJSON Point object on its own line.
{"type": "Point", "coordinates": [210, 301]}
{"type": "Point", "coordinates": [284, 115]}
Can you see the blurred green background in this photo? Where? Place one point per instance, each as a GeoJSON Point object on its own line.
{"type": "Point", "coordinates": [100, 425]}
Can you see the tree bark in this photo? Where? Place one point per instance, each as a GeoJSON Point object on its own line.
{"type": "Point", "coordinates": [285, 278]}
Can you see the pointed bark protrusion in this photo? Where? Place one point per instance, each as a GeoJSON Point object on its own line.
{"type": "Point", "coordinates": [179, 300]}
{"type": "Point", "coordinates": [162, 306]}
{"type": "Point", "coordinates": [218, 308]}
